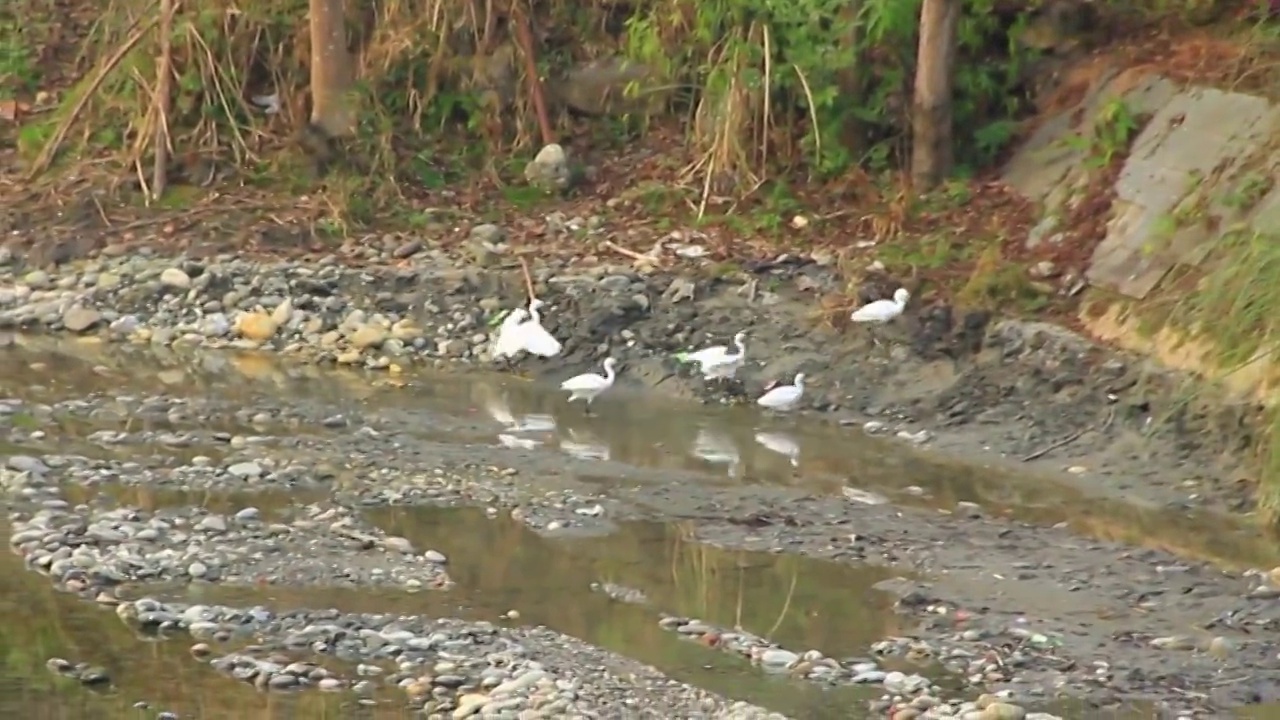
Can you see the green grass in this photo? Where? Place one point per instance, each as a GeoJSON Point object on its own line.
{"type": "Point", "coordinates": [18, 72]}
{"type": "Point", "coordinates": [1236, 306]}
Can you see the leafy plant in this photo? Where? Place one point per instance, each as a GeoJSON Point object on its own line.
{"type": "Point", "coordinates": [1114, 128]}
{"type": "Point", "coordinates": [816, 84]}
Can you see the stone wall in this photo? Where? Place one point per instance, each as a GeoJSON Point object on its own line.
{"type": "Point", "coordinates": [1201, 165]}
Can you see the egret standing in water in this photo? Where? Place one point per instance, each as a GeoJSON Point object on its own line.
{"type": "Point", "coordinates": [588, 386]}
{"type": "Point", "coordinates": [784, 397]}
{"type": "Point", "coordinates": [717, 362]}
{"type": "Point", "coordinates": [882, 311]}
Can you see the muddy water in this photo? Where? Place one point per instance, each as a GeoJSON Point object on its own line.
{"type": "Point", "coordinates": [499, 566]}
{"type": "Point", "coordinates": [40, 623]}
{"type": "Point", "coordinates": [631, 427]}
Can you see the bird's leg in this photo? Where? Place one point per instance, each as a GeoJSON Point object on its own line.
{"type": "Point", "coordinates": [586, 408]}
{"type": "Point", "coordinates": [871, 332]}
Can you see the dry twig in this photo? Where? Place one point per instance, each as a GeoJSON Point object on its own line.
{"type": "Point", "coordinates": [1070, 438]}
{"type": "Point", "coordinates": [638, 257]}
{"type": "Point", "coordinates": [528, 279]}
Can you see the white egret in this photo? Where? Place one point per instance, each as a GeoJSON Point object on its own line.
{"type": "Point", "coordinates": [510, 338]}
{"type": "Point", "coordinates": [882, 311]}
{"type": "Point", "coordinates": [717, 362]}
{"type": "Point", "coordinates": [588, 386]}
{"type": "Point", "coordinates": [534, 338]}
{"type": "Point", "coordinates": [783, 397]}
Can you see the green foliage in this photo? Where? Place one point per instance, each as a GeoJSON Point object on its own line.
{"type": "Point", "coordinates": [1114, 127]}
{"type": "Point", "coordinates": [18, 73]}
{"type": "Point", "coordinates": [837, 80]}
{"type": "Point", "coordinates": [1234, 306]}
{"type": "Point", "coordinates": [771, 89]}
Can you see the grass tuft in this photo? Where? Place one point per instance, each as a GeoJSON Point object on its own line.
{"type": "Point", "coordinates": [1234, 304]}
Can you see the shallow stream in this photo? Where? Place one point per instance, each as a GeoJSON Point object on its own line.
{"type": "Point", "coordinates": [609, 590]}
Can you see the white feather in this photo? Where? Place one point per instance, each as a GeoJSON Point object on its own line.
{"type": "Point", "coordinates": [783, 397]}
{"type": "Point", "coordinates": [589, 385]}
{"type": "Point", "coordinates": [510, 339]}
{"type": "Point", "coordinates": [717, 362]}
{"type": "Point", "coordinates": [882, 311]}
{"type": "Point", "coordinates": [535, 338]}
{"type": "Point", "coordinates": [538, 341]}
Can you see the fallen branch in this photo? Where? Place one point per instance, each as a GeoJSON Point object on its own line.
{"type": "Point", "coordinates": [50, 148]}
{"type": "Point", "coordinates": [638, 257]}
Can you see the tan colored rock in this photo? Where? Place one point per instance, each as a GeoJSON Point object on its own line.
{"type": "Point", "coordinates": [368, 336]}
{"type": "Point", "coordinates": [256, 326]}
{"type": "Point", "coordinates": [1003, 711]}
{"type": "Point", "coordinates": [406, 330]}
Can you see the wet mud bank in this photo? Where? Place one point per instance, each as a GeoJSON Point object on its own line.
{"type": "Point", "coordinates": [1100, 571]}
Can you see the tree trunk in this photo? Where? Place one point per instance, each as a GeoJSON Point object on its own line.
{"type": "Point", "coordinates": [932, 155]}
{"type": "Point", "coordinates": [331, 70]}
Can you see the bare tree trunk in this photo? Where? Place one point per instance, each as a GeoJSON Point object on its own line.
{"type": "Point", "coordinates": [164, 85]}
{"type": "Point", "coordinates": [932, 155]}
{"type": "Point", "coordinates": [331, 70]}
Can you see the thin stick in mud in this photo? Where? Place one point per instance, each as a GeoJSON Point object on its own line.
{"type": "Point", "coordinates": [1071, 438]}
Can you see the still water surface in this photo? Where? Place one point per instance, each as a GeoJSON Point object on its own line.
{"type": "Point", "coordinates": [498, 564]}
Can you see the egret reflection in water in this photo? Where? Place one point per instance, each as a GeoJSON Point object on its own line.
{"type": "Point", "coordinates": [500, 410]}
{"type": "Point", "coordinates": [717, 448]}
{"type": "Point", "coordinates": [781, 443]}
{"type": "Point", "coordinates": [584, 446]}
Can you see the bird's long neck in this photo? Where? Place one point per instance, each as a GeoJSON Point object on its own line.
{"type": "Point", "coordinates": [608, 373]}
{"type": "Point", "coordinates": [534, 315]}
{"type": "Point", "coordinates": [799, 383]}
{"type": "Point", "coordinates": [742, 347]}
